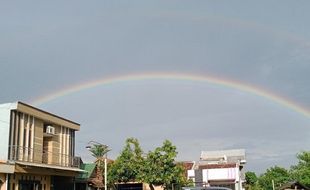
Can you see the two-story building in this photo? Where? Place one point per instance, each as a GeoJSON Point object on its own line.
{"type": "Point", "coordinates": [219, 168]}
{"type": "Point", "coordinates": [36, 149]}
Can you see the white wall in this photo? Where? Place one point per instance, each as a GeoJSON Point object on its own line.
{"type": "Point", "coordinates": [5, 110]}
{"type": "Point", "coordinates": [190, 173]}
{"type": "Point", "coordinates": [219, 174]}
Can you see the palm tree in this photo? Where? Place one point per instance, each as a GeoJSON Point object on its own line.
{"type": "Point", "coordinates": [99, 151]}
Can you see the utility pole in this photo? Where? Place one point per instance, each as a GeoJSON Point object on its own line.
{"type": "Point", "coordinates": [105, 172]}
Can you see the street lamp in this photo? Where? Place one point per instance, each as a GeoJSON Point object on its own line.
{"type": "Point", "coordinates": [99, 151]}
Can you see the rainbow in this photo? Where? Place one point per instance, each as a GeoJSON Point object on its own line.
{"type": "Point", "coordinates": [233, 84]}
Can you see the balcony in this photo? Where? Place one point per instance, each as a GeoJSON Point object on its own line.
{"type": "Point", "coordinates": [25, 154]}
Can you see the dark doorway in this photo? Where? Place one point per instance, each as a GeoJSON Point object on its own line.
{"type": "Point", "coordinates": [129, 186]}
{"type": "Point", "coordinates": [62, 183]}
{"type": "Point", "coordinates": [29, 185]}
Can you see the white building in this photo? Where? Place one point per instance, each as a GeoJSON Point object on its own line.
{"type": "Point", "coordinates": [219, 168]}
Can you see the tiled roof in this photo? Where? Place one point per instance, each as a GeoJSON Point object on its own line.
{"type": "Point", "coordinates": [188, 165]}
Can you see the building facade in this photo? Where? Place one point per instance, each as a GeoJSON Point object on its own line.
{"type": "Point", "coordinates": [219, 168]}
{"type": "Point", "coordinates": [36, 149]}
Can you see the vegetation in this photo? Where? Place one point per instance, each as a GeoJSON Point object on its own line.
{"type": "Point", "coordinates": [301, 171]}
{"type": "Point", "coordinates": [127, 167]}
{"type": "Point", "coordinates": [99, 151]}
{"type": "Point", "coordinates": [156, 168]}
{"type": "Point", "coordinates": [251, 181]}
{"type": "Point", "coordinates": [251, 178]}
{"type": "Point", "coordinates": [280, 176]}
{"type": "Point", "coordinates": [159, 168]}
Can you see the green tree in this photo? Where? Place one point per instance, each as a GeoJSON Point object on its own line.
{"type": "Point", "coordinates": [301, 171]}
{"type": "Point", "coordinates": [160, 167]}
{"type": "Point", "coordinates": [127, 166]}
{"type": "Point", "coordinates": [251, 181]}
{"type": "Point", "coordinates": [278, 174]}
{"type": "Point", "coordinates": [250, 178]}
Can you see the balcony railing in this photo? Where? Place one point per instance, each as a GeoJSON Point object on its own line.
{"type": "Point", "coordinates": [41, 156]}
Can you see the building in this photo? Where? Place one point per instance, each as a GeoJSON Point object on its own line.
{"type": "Point", "coordinates": [36, 149]}
{"type": "Point", "coordinates": [219, 168]}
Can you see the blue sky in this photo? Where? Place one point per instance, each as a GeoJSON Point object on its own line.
{"type": "Point", "coordinates": [48, 46]}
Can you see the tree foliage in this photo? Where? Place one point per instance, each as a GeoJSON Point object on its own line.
{"type": "Point", "coordinates": [250, 178]}
{"type": "Point", "coordinates": [251, 181]}
{"type": "Point", "coordinates": [278, 174]}
{"type": "Point", "coordinates": [160, 167]}
{"type": "Point", "coordinates": [127, 166]}
{"type": "Point", "coordinates": [301, 171]}
{"type": "Point", "coordinates": [99, 151]}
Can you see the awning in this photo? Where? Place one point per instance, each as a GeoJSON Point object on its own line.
{"type": "Point", "coordinates": [49, 166]}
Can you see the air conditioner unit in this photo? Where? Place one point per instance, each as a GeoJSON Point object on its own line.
{"type": "Point", "coordinates": [50, 130]}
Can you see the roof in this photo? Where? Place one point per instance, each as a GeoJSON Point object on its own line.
{"type": "Point", "coordinates": [215, 166]}
{"type": "Point", "coordinates": [188, 165]}
{"type": "Point", "coordinates": [49, 166]}
{"type": "Point", "coordinates": [23, 107]}
{"type": "Point", "coordinates": [88, 168]}
{"type": "Point", "coordinates": [291, 185]}
{"type": "Point", "coordinates": [229, 156]}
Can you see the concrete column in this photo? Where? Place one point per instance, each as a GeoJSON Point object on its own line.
{"type": "Point", "coordinates": [27, 138]}
{"type": "Point", "coordinates": [32, 140]}
{"type": "Point", "coordinates": [67, 146]}
{"type": "Point", "coordinates": [60, 146]}
{"type": "Point", "coordinates": [12, 148]}
{"type": "Point", "coordinates": [21, 138]}
{"type": "Point", "coordinates": [17, 129]}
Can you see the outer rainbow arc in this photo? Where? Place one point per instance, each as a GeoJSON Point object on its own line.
{"type": "Point", "coordinates": [177, 76]}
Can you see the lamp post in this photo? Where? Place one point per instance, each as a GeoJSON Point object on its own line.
{"type": "Point", "coordinates": [100, 151]}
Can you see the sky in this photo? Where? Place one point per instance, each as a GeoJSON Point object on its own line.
{"type": "Point", "coordinates": [50, 47]}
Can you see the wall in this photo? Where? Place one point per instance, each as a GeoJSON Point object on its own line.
{"type": "Point", "coordinates": [5, 110]}
{"type": "Point", "coordinates": [54, 148]}
{"type": "Point", "coordinates": [38, 140]}
{"type": "Point", "coordinates": [220, 174]}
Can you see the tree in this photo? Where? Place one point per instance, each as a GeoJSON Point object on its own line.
{"type": "Point", "coordinates": [250, 178]}
{"type": "Point", "coordinates": [160, 167]}
{"type": "Point", "coordinates": [127, 167]}
{"type": "Point", "coordinates": [301, 171]}
{"type": "Point", "coordinates": [251, 181]}
{"type": "Point", "coordinates": [98, 151]}
{"type": "Point", "coordinates": [278, 174]}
